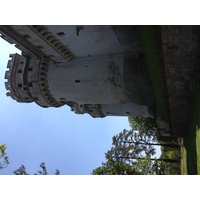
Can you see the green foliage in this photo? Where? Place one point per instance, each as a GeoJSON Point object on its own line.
{"type": "Point", "coordinates": [112, 167]}
{"type": "Point", "coordinates": [144, 166]}
{"type": "Point", "coordinates": [43, 171]}
{"type": "Point", "coordinates": [152, 44]}
{"type": "Point", "coordinates": [22, 170]}
{"type": "Point", "coordinates": [131, 145]}
{"type": "Point", "coordinates": [132, 152]}
{"type": "Point", "coordinates": [144, 124]}
{"type": "Point", "coordinates": [191, 149]}
{"type": "Point", "coordinates": [173, 154]}
{"type": "Point", "coordinates": [3, 157]}
{"type": "Point", "coordinates": [170, 140]}
{"type": "Point", "coordinates": [148, 166]}
{"type": "Point", "coordinates": [170, 150]}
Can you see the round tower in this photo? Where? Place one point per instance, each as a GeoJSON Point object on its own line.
{"type": "Point", "coordinates": [94, 85]}
{"type": "Point", "coordinates": [27, 80]}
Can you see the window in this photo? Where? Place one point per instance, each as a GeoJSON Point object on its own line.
{"type": "Point", "coordinates": [40, 47]}
{"type": "Point", "coordinates": [60, 33]}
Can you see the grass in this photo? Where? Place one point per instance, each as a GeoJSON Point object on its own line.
{"type": "Point", "coordinates": [151, 39]}
{"type": "Point", "coordinates": [191, 148]}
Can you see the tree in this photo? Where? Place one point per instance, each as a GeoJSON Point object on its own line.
{"type": "Point", "coordinates": [3, 157]}
{"type": "Point", "coordinates": [148, 132]}
{"type": "Point", "coordinates": [128, 156]}
{"type": "Point", "coordinates": [133, 152]}
{"type": "Point", "coordinates": [112, 167]}
{"type": "Point", "coordinates": [148, 166]}
{"type": "Point", "coordinates": [22, 170]}
{"type": "Point", "coordinates": [133, 143]}
{"type": "Point", "coordinates": [145, 126]}
{"type": "Point", "coordinates": [144, 166]}
{"type": "Point", "coordinates": [170, 149]}
{"type": "Point", "coordinates": [171, 153]}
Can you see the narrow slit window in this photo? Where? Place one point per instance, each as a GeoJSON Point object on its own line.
{"type": "Point", "coordinates": [77, 81]}
{"type": "Point", "coordinates": [26, 36]}
{"type": "Point", "coordinates": [60, 33]}
{"type": "Point", "coordinates": [40, 47]}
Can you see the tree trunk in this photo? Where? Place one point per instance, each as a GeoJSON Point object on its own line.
{"type": "Point", "coordinates": [164, 159]}
{"type": "Point", "coordinates": [156, 144]}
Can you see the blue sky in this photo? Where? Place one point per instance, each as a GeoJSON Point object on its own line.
{"type": "Point", "coordinates": [74, 144]}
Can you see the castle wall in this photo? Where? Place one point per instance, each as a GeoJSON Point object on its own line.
{"type": "Point", "coordinates": [98, 70]}
{"type": "Point", "coordinates": [89, 81]}
{"type": "Point", "coordinates": [125, 110]}
{"type": "Point", "coordinates": [110, 80]}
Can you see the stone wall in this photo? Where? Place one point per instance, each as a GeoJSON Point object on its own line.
{"type": "Point", "coordinates": [181, 60]}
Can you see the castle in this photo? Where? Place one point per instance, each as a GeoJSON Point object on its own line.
{"type": "Point", "coordinates": [99, 70]}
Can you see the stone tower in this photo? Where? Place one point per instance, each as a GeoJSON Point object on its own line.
{"type": "Point", "coordinates": [99, 70]}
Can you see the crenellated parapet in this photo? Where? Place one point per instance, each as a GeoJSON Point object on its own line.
{"type": "Point", "coordinates": [16, 80]}
{"type": "Point", "coordinates": [93, 109]}
{"type": "Point", "coordinates": [54, 42]}
{"type": "Point", "coordinates": [27, 80]}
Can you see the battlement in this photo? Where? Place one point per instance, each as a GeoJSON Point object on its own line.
{"type": "Point", "coordinates": [27, 80]}
{"type": "Point", "coordinates": [16, 83]}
